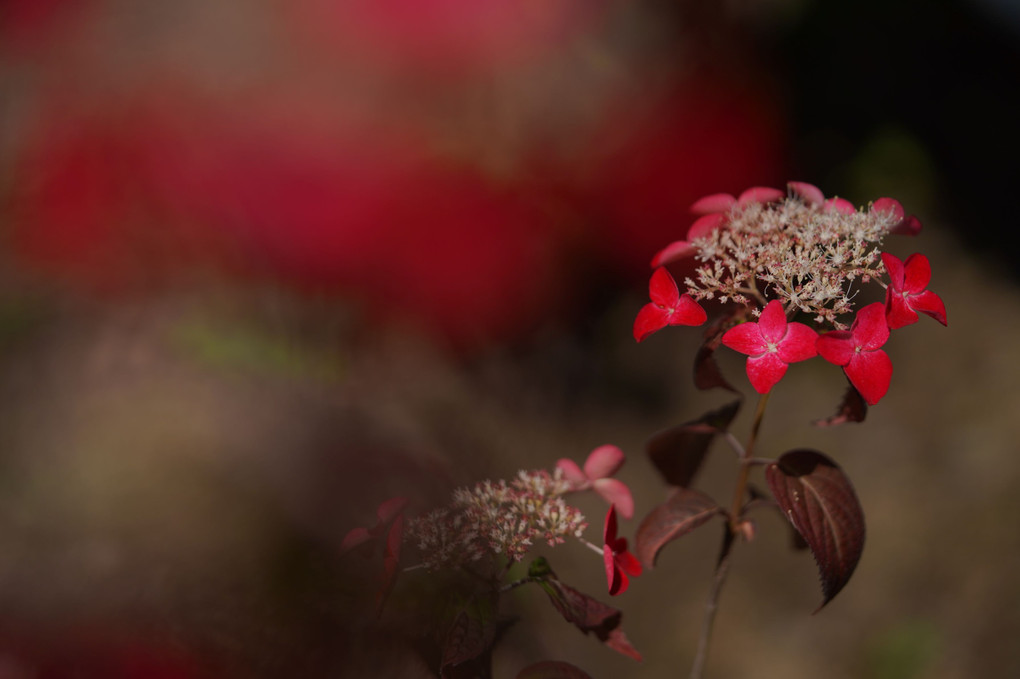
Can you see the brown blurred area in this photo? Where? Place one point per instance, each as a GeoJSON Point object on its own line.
{"type": "Point", "coordinates": [265, 264]}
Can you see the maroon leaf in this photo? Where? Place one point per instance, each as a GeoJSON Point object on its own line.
{"type": "Point", "coordinates": [706, 371]}
{"type": "Point", "coordinates": [820, 502]}
{"type": "Point", "coordinates": [552, 669]}
{"type": "Point", "coordinates": [470, 637]}
{"type": "Point", "coordinates": [586, 613]}
{"type": "Point", "coordinates": [851, 409]}
{"type": "Point", "coordinates": [678, 452]}
{"type": "Point", "coordinates": [681, 513]}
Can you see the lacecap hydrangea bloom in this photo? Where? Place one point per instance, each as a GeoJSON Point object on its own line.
{"type": "Point", "coordinates": [778, 256]}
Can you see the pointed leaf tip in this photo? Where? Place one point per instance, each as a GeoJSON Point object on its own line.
{"type": "Point", "coordinates": [820, 502]}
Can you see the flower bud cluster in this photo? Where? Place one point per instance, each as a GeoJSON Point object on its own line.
{"type": "Point", "coordinates": [806, 254]}
{"type": "Point", "coordinates": [498, 519]}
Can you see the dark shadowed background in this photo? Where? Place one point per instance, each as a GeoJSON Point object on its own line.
{"type": "Point", "coordinates": [264, 264]}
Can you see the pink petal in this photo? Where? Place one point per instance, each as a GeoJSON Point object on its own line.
{"type": "Point", "coordinates": [917, 273]}
{"type": "Point", "coordinates": [609, 530]}
{"type": "Point", "coordinates": [687, 312]}
{"type": "Point", "coordinates": [870, 330]}
{"type": "Point", "coordinates": [662, 289]}
{"type": "Point", "coordinates": [628, 563]}
{"type": "Point", "coordinates": [651, 318]}
{"type": "Point", "coordinates": [355, 537]}
{"type": "Point", "coordinates": [839, 205]}
{"type": "Point", "coordinates": [765, 371]}
{"type": "Point", "coordinates": [603, 461]}
{"type": "Point", "coordinates": [898, 313]}
{"type": "Point", "coordinates": [929, 303]}
{"type": "Point", "coordinates": [799, 344]}
{"type": "Point", "coordinates": [615, 578]}
{"type": "Point", "coordinates": [870, 372]}
{"type": "Point", "coordinates": [704, 226]}
{"type": "Point", "coordinates": [676, 250]}
{"type": "Point", "coordinates": [910, 226]}
{"type": "Point", "coordinates": [772, 322]}
{"type": "Point", "coordinates": [390, 508]}
{"type": "Point", "coordinates": [717, 202]}
{"type": "Point", "coordinates": [572, 473]}
{"type": "Point", "coordinates": [836, 347]}
{"type": "Point", "coordinates": [809, 193]}
{"type": "Point", "coordinates": [745, 338]}
{"type": "Point", "coordinates": [760, 194]}
{"type": "Point", "coordinates": [616, 493]}
{"type": "Point", "coordinates": [890, 205]}
{"type": "Point", "coordinates": [894, 267]}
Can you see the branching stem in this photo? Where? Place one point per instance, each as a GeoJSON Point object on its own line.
{"type": "Point", "coordinates": [732, 531]}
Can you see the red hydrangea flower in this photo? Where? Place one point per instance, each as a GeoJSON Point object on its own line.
{"type": "Point", "coordinates": [907, 293]}
{"type": "Point", "coordinates": [668, 307]}
{"type": "Point", "coordinates": [771, 345]}
{"type": "Point", "coordinates": [713, 211]}
{"type": "Point", "coordinates": [602, 463]}
{"type": "Point", "coordinates": [858, 351]}
{"type": "Point", "coordinates": [812, 195]}
{"type": "Point", "coordinates": [619, 562]}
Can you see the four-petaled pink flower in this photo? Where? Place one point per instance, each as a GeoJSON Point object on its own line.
{"type": "Point", "coordinates": [771, 345]}
{"type": "Point", "coordinates": [668, 307]}
{"type": "Point", "coordinates": [858, 351]}
{"type": "Point", "coordinates": [601, 464]}
{"type": "Point", "coordinates": [619, 562]}
{"type": "Point", "coordinates": [907, 293]}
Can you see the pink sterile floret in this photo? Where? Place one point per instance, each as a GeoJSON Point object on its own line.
{"type": "Point", "coordinates": [859, 352]}
{"type": "Point", "coordinates": [771, 345]}
{"type": "Point", "coordinates": [905, 225]}
{"type": "Point", "coordinates": [619, 562]}
{"type": "Point", "coordinates": [907, 292]}
{"type": "Point", "coordinates": [601, 464]}
{"type": "Point", "coordinates": [668, 307]}
{"type": "Point", "coordinates": [722, 202]}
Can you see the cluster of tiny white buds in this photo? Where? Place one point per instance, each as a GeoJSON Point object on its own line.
{"type": "Point", "coordinates": [807, 255]}
{"type": "Point", "coordinates": [498, 519]}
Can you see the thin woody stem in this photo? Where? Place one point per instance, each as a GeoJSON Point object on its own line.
{"type": "Point", "coordinates": [722, 567]}
{"type": "Point", "coordinates": [740, 490]}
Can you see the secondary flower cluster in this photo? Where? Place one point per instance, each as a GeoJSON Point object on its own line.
{"type": "Point", "coordinates": [498, 518]}
{"type": "Point", "coordinates": [780, 255]}
{"type": "Point", "coordinates": [505, 519]}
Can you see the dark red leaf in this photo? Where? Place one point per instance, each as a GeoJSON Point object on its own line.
{"type": "Point", "coordinates": [706, 371]}
{"type": "Point", "coordinates": [586, 613]}
{"type": "Point", "coordinates": [470, 636]}
{"type": "Point", "coordinates": [820, 502]}
{"type": "Point", "coordinates": [684, 511]}
{"type": "Point", "coordinates": [852, 409]}
{"type": "Point", "coordinates": [552, 669]}
{"type": "Point", "coordinates": [678, 452]}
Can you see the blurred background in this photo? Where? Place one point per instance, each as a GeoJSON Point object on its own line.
{"type": "Point", "coordinates": [264, 264]}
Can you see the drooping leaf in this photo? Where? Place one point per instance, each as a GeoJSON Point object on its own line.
{"type": "Point", "coordinates": [586, 613]}
{"type": "Point", "coordinates": [552, 669]}
{"type": "Point", "coordinates": [820, 502]}
{"type": "Point", "coordinates": [681, 513]}
{"type": "Point", "coordinates": [678, 452]}
{"type": "Point", "coordinates": [851, 409]}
